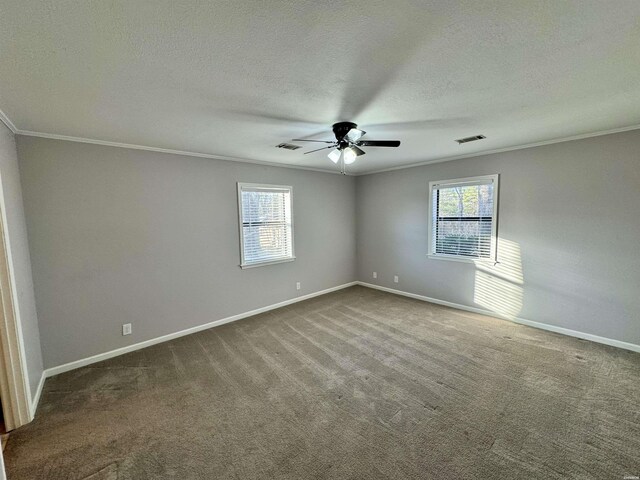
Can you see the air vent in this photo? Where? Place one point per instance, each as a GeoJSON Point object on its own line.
{"type": "Point", "coordinates": [470, 139]}
{"type": "Point", "coordinates": [288, 146]}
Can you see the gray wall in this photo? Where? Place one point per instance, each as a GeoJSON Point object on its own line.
{"type": "Point", "coordinates": [569, 232]}
{"type": "Point", "coordinates": [121, 236]}
{"type": "Point", "coordinates": [127, 236]}
{"type": "Point", "coordinates": [16, 231]}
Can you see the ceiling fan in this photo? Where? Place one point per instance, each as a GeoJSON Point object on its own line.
{"type": "Point", "coordinates": [346, 147]}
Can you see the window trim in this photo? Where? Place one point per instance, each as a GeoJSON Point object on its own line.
{"type": "Point", "coordinates": [274, 261]}
{"type": "Point", "coordinates": [481, 179]}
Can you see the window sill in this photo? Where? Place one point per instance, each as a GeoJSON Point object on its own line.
{"type": "Point", "coordinates": [270, 262]}
{"type": "Point", "coordinates": [453, 258]}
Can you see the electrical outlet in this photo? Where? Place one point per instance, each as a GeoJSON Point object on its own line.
{"type": "Point", "coordinates": [375, 274]}
{"type": "Point", "coordinates": [395, 279]}
{"type": "Point", "coordinates": [297, 285]}
{"type": "Point", "coordinates": [126, 329]}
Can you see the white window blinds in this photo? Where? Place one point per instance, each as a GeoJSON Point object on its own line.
{"type": "Point", "coordinates": [464, 218]}
{"type": "Point", "coordinates": [266, 226]}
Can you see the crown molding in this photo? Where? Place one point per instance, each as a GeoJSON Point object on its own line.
{"type": "Point", "coordinates": [55, 136]}
{"type": "Point", "coordinates": [505, 149]}
{"type": "Point", "coordinates": [4, 119]}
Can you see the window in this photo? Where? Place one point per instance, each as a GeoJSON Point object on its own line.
{"type": "Point", "coordinates": [266, 224]}
{"type": "Point", "coordinates": [463, 218]}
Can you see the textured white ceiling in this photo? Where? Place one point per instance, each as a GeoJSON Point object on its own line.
{"type": "Point", "coordinates": [235, 78]}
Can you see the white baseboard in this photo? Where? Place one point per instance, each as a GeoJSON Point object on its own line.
{"type": "Point", "coordinates": [50, 372]}
{"type": "Point", "coordinates": [543, 326]}
{"type": "Point", "coordinates": [36, 397]}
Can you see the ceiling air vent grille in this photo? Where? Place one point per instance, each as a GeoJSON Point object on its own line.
{"type": "Point", "coordinates": [288, 146]}
{"type": "Point", "coordinates": [470, 139]}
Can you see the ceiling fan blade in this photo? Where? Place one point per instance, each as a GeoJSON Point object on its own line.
{"type": "Point", "coordinates": [318, 149]}
{"type": "Point", "coordinates": [354, 135]}
{"type": "Point", "coordinates": [379, 143]}
{"type": "Point", "coordinates": [358, 151]}
{"type": "Point", "coordinates": [305, 140]}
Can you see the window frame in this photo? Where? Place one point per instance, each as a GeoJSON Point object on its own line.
{"type": "Point", "coordinates": [264, 186]}
{"type": "Point", "coordinates": [493, 255]}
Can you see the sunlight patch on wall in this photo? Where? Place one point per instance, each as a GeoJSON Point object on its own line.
{"type": "Point", "coordinates": [498, 287]}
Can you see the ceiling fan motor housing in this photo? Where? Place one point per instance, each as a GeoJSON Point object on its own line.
{"type": "Point", "coordinates": [340, 129]}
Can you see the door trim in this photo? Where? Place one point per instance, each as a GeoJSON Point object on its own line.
{"type": "Point", "coordinates": [14, 384]}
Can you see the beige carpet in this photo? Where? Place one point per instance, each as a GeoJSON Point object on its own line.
{"type": "Point", "coordinates": [356, 384]}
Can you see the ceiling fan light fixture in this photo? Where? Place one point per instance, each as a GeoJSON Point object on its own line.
{"type": "Point", "coordinates": [349, 156]}
{"type": "Point", "coordinates": [354, 134]}
{"type": "Point", "coordinates": [334, 155]}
